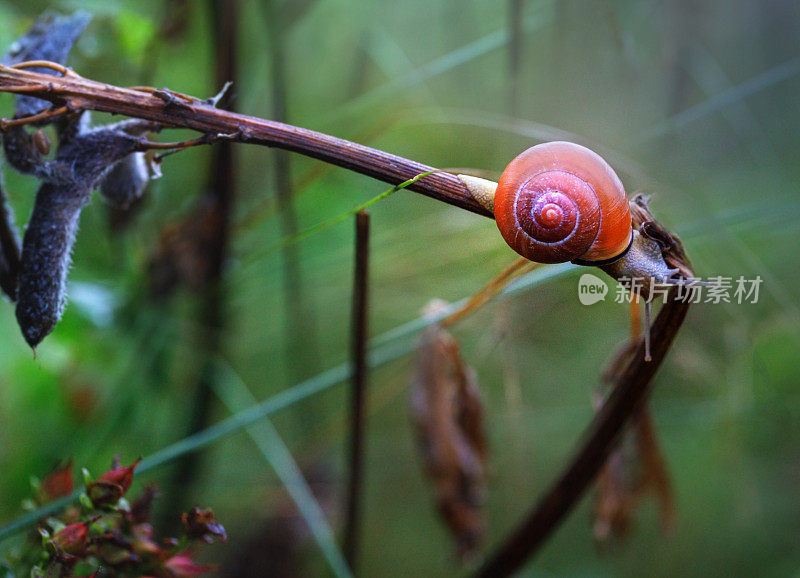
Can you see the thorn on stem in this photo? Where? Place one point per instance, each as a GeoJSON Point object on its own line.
{"type": "Point", "coordinates": [215, 100]}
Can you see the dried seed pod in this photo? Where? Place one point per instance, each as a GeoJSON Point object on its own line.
{"type": "Point", "coordinates": [24, 150]}
{"type": "Point", "coordinates": [21, 152]}
{"type": "Point", "coordinates": [50, 38]}
{"type": "Point", "coordinates": [51, 230]}
{"type": "Point", "coordinates": [448, 415]}
{"type": "Point", "coordinates": [126, 181]}
{"type": "Point", "coordinates": [617, 491]}
{"type": "Point", "coordinates": [24, 154]}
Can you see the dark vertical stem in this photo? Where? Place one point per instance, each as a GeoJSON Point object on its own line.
{"type": "Point", "coordinates": [358, 391]}
{"type": "Point", "coordinates": [220, 193]}
{"type": "Point", "coordinates": [301, 342]}
{"type": "Point", "coordinates": [9, 249]}
{"type": "Point", "coordinates": [514, 52]}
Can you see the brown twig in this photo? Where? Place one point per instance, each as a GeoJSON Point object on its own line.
{"type": "Point", "coordinates": [629, 390]}
{"type": "Point", "coordinates": [358, 392]}
{"type": "Point", "coordinates": [517, 268]}
{"type": "Point", "coordinates": [53, 112]}
{"type": "Point", "coordinates": [81, 93]}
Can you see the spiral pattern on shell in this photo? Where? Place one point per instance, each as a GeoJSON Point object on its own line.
{"type": "Point", "coordinates": [559, 202]}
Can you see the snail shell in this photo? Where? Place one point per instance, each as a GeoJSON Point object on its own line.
{"type": "Point", "coordinates": [559, 201]}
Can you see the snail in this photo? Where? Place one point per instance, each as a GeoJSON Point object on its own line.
{"type": "Point", "coordinates": [559, 202]}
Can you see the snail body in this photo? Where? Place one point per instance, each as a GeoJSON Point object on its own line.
{"type": "Point", "coordinates": [559, 202]}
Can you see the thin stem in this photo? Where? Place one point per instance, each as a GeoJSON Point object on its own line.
{"type": "Point", "coordinates": [9, 249]}
{"type": "Point", "coordinates": [206, 139]}
{"type": "Point", "coordinates": [52, 112]}
{"type": "Point", "coordinates": [636, 318]}
{"type": "Point", "coordinates": [514, 52]}
{"type": "Point", "coordinates": [358, 391]}
{"type": "Point", "coordinates": [45, 64]}
{"type": "Point", "coordinates": [647, 336]}
{"type": "Point", "coordinates": [82, 93]}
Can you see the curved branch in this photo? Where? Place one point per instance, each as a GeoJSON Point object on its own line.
{"type": "Point", "coordinates": [173, 110]}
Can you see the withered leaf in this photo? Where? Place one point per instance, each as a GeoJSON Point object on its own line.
{"type": "Point", "coordinates": [634, 468]}
{"type": "Point", "coordinates": [447, 411]}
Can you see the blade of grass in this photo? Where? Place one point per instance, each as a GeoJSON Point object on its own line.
{"type": "Point", "coordinates": [383, 349]}
{"type": "Point", "coordinates": [290, 240]}
{"type": "Point", "coordinates": [525, 128]}
{"type": "Point", "coordinates": [445, 63]}
{"type": "Point", "coordinates": [234, 393]}
{"type": "Point", "coordinates": [721, 100]}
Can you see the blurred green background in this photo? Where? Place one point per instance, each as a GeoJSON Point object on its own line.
{"type": "Point", "coordinates": [694, 103]}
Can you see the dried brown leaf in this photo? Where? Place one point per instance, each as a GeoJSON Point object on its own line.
{"type": "Point", "coordinates": [448, 416]}
{"type": "Point", "coordinates": [184, 256]}
{"type": "Point", "coordinates": [633, 469]}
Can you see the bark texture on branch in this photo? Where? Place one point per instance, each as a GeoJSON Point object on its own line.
{"type": "Point", "coordinates": [173, 110]}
